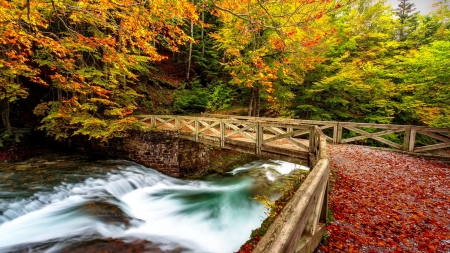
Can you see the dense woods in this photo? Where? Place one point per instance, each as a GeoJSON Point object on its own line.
{"type": "Point", "coordinates": [82, 67]}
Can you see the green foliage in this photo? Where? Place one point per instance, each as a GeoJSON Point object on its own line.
{"type": "Point", "coordinates": [220, 97]}
{"type": "Point", "coordinates": [194, 100]}
{"type": "Point", "coordinates": [13, 136]}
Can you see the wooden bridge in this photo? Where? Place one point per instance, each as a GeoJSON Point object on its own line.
{"type": "Point", "coordinates": [292, 139]}
{"type": "Point", "coordinates": [301, 224]}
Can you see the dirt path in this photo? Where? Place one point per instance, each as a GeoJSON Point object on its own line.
{"type": "Point", "coordinates": [387, 202]}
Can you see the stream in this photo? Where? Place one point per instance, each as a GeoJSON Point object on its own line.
{"type": "Point", "coordinates": [73, 204]}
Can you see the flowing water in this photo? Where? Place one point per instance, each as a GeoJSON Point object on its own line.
{"type": "Point", "coordinates": [70, 204]}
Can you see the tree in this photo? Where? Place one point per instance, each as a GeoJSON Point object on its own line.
{"type": "Point", "coordinates": [90, 54]}
{"type": "Point", "coordinates": [426, 84]}
{"type": "Point", "coordinates": [407, 19]}
{"type": "Point", "coordinates": [353, 83]}
{"type": "Point", "coordinates": [268, 45]}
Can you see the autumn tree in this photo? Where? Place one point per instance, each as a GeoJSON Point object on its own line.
{"type": "Point", "coordinates": [90, 54]}
{"type": "Point", "coordinates": [268, 45]}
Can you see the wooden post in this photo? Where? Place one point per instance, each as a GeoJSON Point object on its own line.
{"type": "Point", "coordinates": [324, 211]}
{"type": "Point", "coordinates": [222, 134]}
{"type": "Point", "coordinates": [335, 133]}
{"type": "Point", "coordinates": [412, 140]}
{"type": "Point", "coordinates": [177, 123]}
{"type": "Point", "coordinates": [196, 129]}
{"type": "Point", "coordinates": [259, 138]}
{"type": "Point", "coordinates": [312, 138]}
{"type": "Point", "coordinates": [339, 133]}
{"type": "Point", "coordinates": [153, 121]}
{"type": "Point", "coordinates": [406, 138]}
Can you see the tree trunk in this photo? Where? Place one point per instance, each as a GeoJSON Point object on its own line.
{"type": "Point", "coordinates": [203, 22]}
{"type": "Point", "coordinates": [250, 106]}
{"type": "Point", "coordinates": [190, 49]}
{"type": "Point", "coordinates": [5, 116]}
{"type": "Point", "coordinates": [257, 102]}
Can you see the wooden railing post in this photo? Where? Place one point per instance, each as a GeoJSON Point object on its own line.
{"type": "Point", "coordinates": [339, 133]}
{"type": "Point", "coordinates": [222, 134]}
{"type": "Point", "coordinates": [412, 140]}
{"type": "Point", "coordinates": [312, 139]}
{"type": "Point", "coordinates": [324, 211]}
{"type": "Point", "coordinates": [153, 121]}
{"type": "Point", "coordinates": [259, 138]}
{"type": "Point", "coordinates": [196, 129]}
{"type": "Point", "coordinates": [177, 123]}
{"type": "Point", "coordinates": [406, 138]}
{"type": "Point", "coordinates": [335, 133]}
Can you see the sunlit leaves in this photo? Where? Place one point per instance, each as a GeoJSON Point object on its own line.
{"type": "Point", "coordinates": [267, 44]}
{"type": "Point", "coordinates": [90, 53]}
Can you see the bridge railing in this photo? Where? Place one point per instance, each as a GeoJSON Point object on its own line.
{"type": "Point", "coordinates": [300, 225]}
{"type": "Point", "coordinates": [364, 131]}
{"type": "Point", "coordinates": [292, 140]}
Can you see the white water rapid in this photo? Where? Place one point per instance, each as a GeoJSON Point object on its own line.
{"type": "Point", "coordinates": [214, 215]}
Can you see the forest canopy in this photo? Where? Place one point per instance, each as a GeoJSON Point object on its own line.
{"type": "Point", "coordinates": [82, 67]}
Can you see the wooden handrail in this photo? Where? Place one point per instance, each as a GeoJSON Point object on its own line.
{"type": "Point", "coordinates": [297, 229]}
{"type": "Point", "coordinates": [409, 140]}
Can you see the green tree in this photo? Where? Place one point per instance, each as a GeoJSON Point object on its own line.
{"type": "Point", "coordinates": [353, 84]}
{"type": "Point", "coordinates": [426, 84]}
{"type": "Point", "coordinates": [408, 19]}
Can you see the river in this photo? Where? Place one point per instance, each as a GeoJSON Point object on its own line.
{"type": "Point", "coordinates": [73, 204]}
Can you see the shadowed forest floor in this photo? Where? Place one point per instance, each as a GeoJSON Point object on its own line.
{"type": "Point", "coordinates": [387, 202]}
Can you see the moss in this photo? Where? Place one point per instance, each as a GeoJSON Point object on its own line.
{"type": "Point", "coordinates": [294, 181]}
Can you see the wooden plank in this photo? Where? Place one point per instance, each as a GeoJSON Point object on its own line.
{"type": "Point", "coordinates": [283, 136]}
{"type": "Point", "coordinates": [432, 147]}
{"type": "Point", "coordinates": [373, 136]}
{"type": "Point", "coordinates": [153, 122]}
{"type": "Point", "coordinates": [412, 140]}
{"type": "Point", "coordinates": [371, 125]}
{"type": "Point", "coordinates": [366, 135]}
{"type": "Point", "coordinates": [308, 244]}
{"type": "Point", "coordinates": [313, 220]}
{"type": "Point", "coordinates": [259, 139]}
{"type": "Point", "coordinates": [277, 130]}
{"type": "Point", "coordinates": [284, 152]}
{"type": "Point", "coordinates": [185, 123]}
{"type": "Point", "coordinates": [431, 129]}
{"type": "Point", "coordinates": [177, 123]}
{"type": "Point", "coordinates": [165, 122]}
{"type": "Point", "coordinates": [297, 143]}
{"type": "Point", "coordinates": [406, 138]}
{"type": "Point", "coordinates": [339, 133]}
{"type": "Point", "coordinates": [222, 134]}
{"type": "Point", "coordinates": [335, 134]}
{"type": "Point", "coordinates": [196, 129]}
{"type": "Point", "coordinates": [435, 136]}
{"type": "Point", "coordinates": [312, 139]}
{"type": "Point", "coordinates": [209, 127]}
{"type": "Point", "coordinates": [240, 131]}
{"type": "Point", "coordinates": [324, 210]}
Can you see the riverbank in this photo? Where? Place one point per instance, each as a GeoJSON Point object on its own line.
{"type": "Point", "coordinates": [22, 151]}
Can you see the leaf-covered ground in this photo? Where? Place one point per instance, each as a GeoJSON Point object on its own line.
{"type": "Point", "coordinates": [388, 202]}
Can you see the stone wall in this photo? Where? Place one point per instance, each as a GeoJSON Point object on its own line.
{"type": "Point", "coordinates": [193, 157]}
{"type": "Point", "coordinates": [162, 151]}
